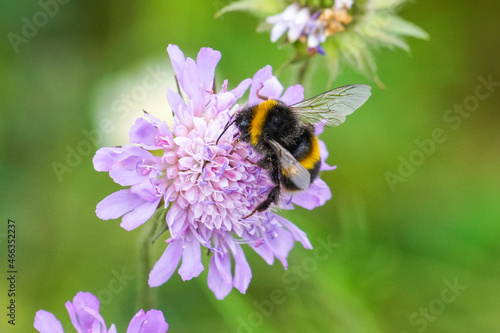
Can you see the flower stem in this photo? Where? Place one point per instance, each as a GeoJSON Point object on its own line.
{"type": "Point", "coordinates": [146, 297]}
{"type": "Point", "coordinates": [283, 66]}
{"type": "Point", "coordinates": [302, 71]}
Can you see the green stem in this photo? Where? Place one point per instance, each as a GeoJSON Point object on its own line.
{"type": "Point", "coordinates": [283, 67]}
{"type": "Point", "coordinates": [302, 71]}
{"type": "Point", "coordinates": [146, 298]}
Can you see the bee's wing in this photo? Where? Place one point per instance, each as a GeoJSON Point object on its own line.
{"type": "Point", "coordinates": [291, 167]}
{"type": "Point", "coordinates": [333, 106]}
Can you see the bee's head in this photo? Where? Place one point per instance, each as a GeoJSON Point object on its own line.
{"type": "Point", "coordinates": [243, 121]}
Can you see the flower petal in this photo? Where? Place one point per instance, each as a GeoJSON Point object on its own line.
{"type": "Point", "coordinates": [265, 252]}
{"type": "Point", "coordinates": [316, 195]}
{"type": "Point", "coordinates": [177, 220]}
{"type": "Point", "coordinates": [182, 112]}
{"type": "Point", "coordinates": [278, 30]}
{"type": "Point", "coordinates": [323, 152]}
{"type": "Point", "coordinates": [147, 190]}
{"type": "Point", "coordinates": [242, 271]}
{"type": "Point", "coordinates": [166, 265]}
{"type": "Point", "coordinates": [177, 59]}
{"type": "Point", "coordinates": [175, 101]}
{"type": "Point", "coordinates": [112, 329]}
{"type": "Point", "coordinates": [127, 176]}
{"type": "Point", "coordinates": [222, 101]}
{"type": "Point", "coordinates": [143, 132]}
{"type": "Point", "coordinates": [139, 215]}
{"type": "Point", "coordinates": [206, 61]}
{"type": "Point", "coordinates": [117, 204]}
{"type": "Point", "coordinates": [46, 322]}
{"type": "Point", "coordinates": [272, 88]}
{"type": "Point", "coordinates": [191, 86]}
{"type": "Point", "coordinates": [293, 95]}
{"type": "Point", "coordinates": [135, 324]}
{"type": "Point", "coordinates": [343, 4]}
{"type": "Point", "coordinates": [297, 234]}
{"type": "Point", "coordinates": [290, 11]}
{"type": "Point", "coordinates": [103, 159]}
{"type": "Point", "coordinates": [298, 24]}
{"type": "Point", "coordinates": [152, 321]}
{"type": "Point", "coordinates": [258, 80]}
{"type": "Point", "coordinates": [84, 312]}
{"type": "Point", "coordinates": [186, 162]}
{"type": "Point", "coordinates": [218, 271]}
{"type": "Point", "coordinates": [319, 127]}
{"type": "Point", "coordinates": [191, 259]}
{"type": "Point", "coordinates": [280, 241]}
{"type": "Point", "coordinates": [122, 163]}
{"type": "Point", "coordinates": [241, 88]}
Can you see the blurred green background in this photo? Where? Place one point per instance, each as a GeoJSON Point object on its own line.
{"type": "Point", "coordinates": [397, 249]}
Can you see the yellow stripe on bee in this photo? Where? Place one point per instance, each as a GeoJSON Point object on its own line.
{"type": "Point", "coordinates": [260, 113]}
{"type": "Point", "coordinates": [312, 157]}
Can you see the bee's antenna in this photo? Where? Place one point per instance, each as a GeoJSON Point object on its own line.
{"type": "Point", "coordinates": [229, 123]}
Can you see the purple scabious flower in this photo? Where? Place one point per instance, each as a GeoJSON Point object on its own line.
{"type": "Point", "coordinates": [312, 29]}
{"type": "Point", "coordinates": [345, 31]}
{"type": "Point", "coordinates": [207, 188]}
{"type": "Point", "coordinates": [84, 314]}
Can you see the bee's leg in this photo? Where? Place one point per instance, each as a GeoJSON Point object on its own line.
{"type": "Point", "coordinates": [259, 95]}
{"type": "Point", "coordinates": [272, 197]}
{"type": "Point", "coordinates": [274, 169]}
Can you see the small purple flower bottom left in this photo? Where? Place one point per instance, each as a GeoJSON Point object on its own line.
{"type": "Point", "coordinates": [85, 317]}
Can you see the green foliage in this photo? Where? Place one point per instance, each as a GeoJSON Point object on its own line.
{"type": "Point", "coordinates": [375, 26]}
{"type": "Point", "coordinates": [394, 248]}
{"type": "Point", "coordinates": [261, 8]}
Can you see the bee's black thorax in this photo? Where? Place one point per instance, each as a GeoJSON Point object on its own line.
{"type": "Point", "coordinates": [281, 125]}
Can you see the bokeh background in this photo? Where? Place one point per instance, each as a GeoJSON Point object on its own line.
{"type": "Point", "coordinates": [421, 255]}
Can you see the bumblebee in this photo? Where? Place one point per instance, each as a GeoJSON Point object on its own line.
{"type": "Point", "coordinates": [284, 135]}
